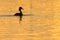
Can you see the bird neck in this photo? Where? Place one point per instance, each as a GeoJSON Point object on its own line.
{"type": "Point", "coordinates": [20, 11]}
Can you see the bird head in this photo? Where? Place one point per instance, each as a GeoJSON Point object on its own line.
{"type": "Point", "coordinates": [20, 8]}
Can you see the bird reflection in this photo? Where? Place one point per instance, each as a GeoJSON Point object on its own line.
{"type": "Point", "coordinates": [19, 14]}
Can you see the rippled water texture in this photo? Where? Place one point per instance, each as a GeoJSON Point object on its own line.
{"type": "Point", "coordinates": [44, 24]}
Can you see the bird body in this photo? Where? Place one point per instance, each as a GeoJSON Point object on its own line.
{"type": "Point", "coordinates": [18, 14]}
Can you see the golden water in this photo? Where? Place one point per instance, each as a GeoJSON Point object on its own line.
{"type": "Point", "coordinates": [45, 25]}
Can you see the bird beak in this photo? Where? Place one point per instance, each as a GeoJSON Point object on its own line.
{"type": "Point", "coordinates": [22, 9]}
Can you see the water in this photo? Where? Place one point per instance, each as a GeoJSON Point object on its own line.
{"type": "Point", "coordinates": [38, 27]}
{"type": "Point", "coordinates": [30, 28]}
{"type": "Point", "coordinates": [45, 25]}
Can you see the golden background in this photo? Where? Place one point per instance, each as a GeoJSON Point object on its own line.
{"type": "Point", "coordinates": [45, 26]}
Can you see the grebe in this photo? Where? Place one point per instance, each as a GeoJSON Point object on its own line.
{"type": "Point", "coordinates": [19, 14]}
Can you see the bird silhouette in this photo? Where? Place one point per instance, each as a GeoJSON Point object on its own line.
{"type": "Point", "coordinates": [19, 14]}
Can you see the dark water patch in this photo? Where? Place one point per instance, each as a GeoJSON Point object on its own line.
{"type": "Point", "coordinates": [14, 15]}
